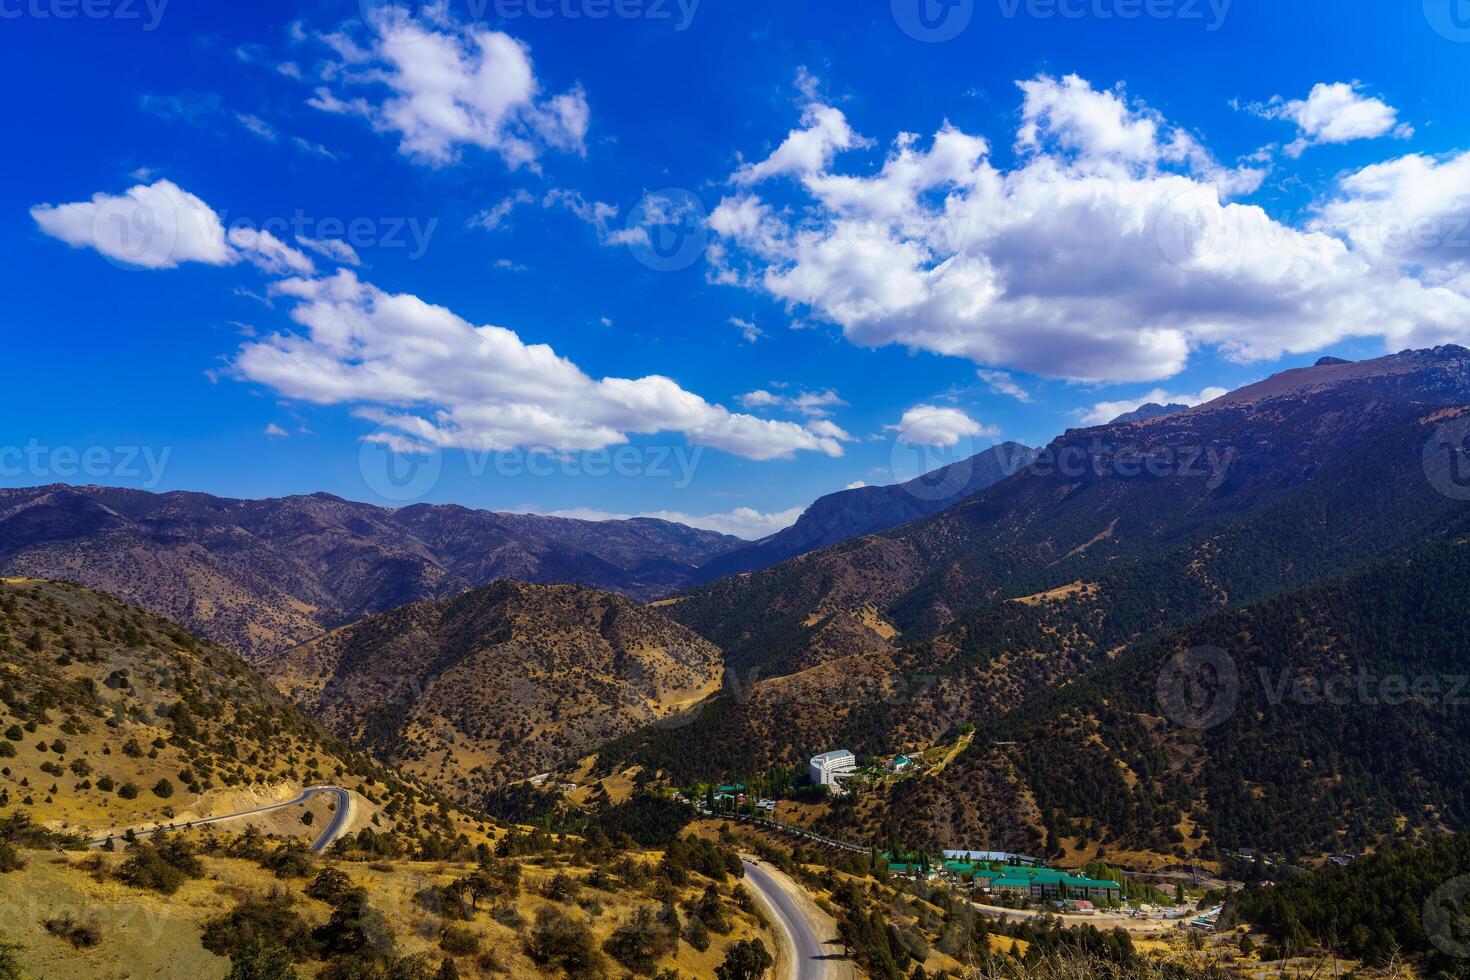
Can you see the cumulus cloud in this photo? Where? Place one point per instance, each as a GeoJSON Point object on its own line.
{"type": "Point", "coordinates": [422, 373]}
{"type": "Point", "coordinates": [441, 87]}
{"type": "Point", "coordinates": [162, 226]}
{"type": "Point", "coordinates": [939, 427]}
{"type": "Point", "coordinates": [1110, 250]}
{"type": "Point", "coordinates": [1411, 213]}
{"type": "Point", "coordinates": [1336, 112]}
{"type": "Point", "coordinates": [807, 150]}
{"type": "Point", "coordinates": [1104, 412]}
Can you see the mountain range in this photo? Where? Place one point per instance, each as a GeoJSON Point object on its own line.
{"type": "Point", "coordinates": [866, 510]}
{"type": "Point", "coordinates": [1020, 624]}
{"type": "Point", "coordinates": [265, 575]}
{"type": "Point", "coordinates": [1111, 539]}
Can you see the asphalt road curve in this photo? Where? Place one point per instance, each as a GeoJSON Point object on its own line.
{"type": "Point", "coordinates": [812, 950]}
{"type": "Point", "coordinates": [340, 818]}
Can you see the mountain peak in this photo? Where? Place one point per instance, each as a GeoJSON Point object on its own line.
{"type": "Point", "coordinates": [1151, 410]}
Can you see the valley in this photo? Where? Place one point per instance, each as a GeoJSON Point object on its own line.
{"type": "Point", "coordinates": [1160, 661]}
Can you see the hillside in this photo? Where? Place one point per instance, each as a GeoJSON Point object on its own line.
{"type": "Point", "coordinates": [114, 720]}
{"type": "Point", "coordinates": [1323, 721]}
{"type": "Point", "coordinates": [263, 575]}
{"type": "Point", "coordinates": [500, 683]}
{"type": "Point", "coordinates": [867, 510]}
{"type": "Point", "coordinates": [890, 641]}
{"type": "Point", "coordinates": [1135, 491]}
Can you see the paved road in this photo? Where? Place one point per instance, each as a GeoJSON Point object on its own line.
{"type": "Point", "coordinates": [812, 954]}
{"type": "Point", "coordinates": [340, 818]}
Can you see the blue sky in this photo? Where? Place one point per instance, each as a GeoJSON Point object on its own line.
{"type": "Point", "coordinates": [457, 280]}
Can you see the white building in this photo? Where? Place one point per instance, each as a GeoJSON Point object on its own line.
{"type": "Point", "coordinates": [829, 767]}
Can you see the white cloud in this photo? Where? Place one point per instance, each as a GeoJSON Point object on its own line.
{"type": "Point", "coordinates": [162, 226]}
{"type": "Point", "coordinates": [742, 522]}
{"type": "Point", "coordinates": [1410, 213]}
{"type": "Point", "coordinates": [332, 248]}
{"type": "Point", "coordinates": [155, 226]}
{"type": "Point", "coordinates": [1108, 252]}
{"type": "Point", "coordinates": [275, 431]}
{"type": "Point", "coordinates": [1336, 112]}
{"type": "Point", "coordinates": [493, 218]}
{"type": "Point", "coordinates": [423, 372]}
{"type": "Point", "coordinates": [441, 87]}
{"type": "Point", "coordinates": [813, 404]}
{"type": "Point", "coordinates": [747, 329]}
{"type": "Point", "coordinates": [855, 485]}
{"type": "Point", "coordinates": [933, 425]}
{"type": "Point", "coordinates": [269, 253]}
{"type": "Point", "coordinates": [824, 132]}
{"type": "Point", "coordinates": [1104, 412]}
{"type": "Point", "coordinates": [258, 126]}
{"type": "Point", "coordinates": [1003, 384]}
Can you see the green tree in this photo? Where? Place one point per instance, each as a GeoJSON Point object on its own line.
{"type": "Point", "coordinates": [746, 960]}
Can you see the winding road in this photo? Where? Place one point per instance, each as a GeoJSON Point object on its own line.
{"type": "Point", "coordinates": [811, 950]}
{"type": "Point", "coordinates": [341, 816]}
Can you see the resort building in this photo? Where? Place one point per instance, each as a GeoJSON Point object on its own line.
{"type": "Point", "coordinates": [829, 767]}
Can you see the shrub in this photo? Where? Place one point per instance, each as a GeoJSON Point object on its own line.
{"type": "Point", "coordinates": [563, 888]}
{"type": "Point", "coordinates": [640, 941]}
{"type": "Point", "coordinates": [262, 961]}
{"type": "Point", "coordinates": [162, 865]}
{"type": "Point", "coordinates": [129, 790]}
{"type": "Point", "coordinates": [9, 964]}
{"type": "Point", "coordinates": [80, 935]}
{"type": "Point", "coordinates": [163, 789]}
{"type": "Point", "coordinates": [459, 941]}
{"type": "Point", "coordinates": [255, 927]}
{"type": "Point", "coordinates": [290, 860]}
{"type": "Point", "coordinates": [330, 886]}
{"type": "Point", "coordinates": [559, 941]}
{"type": "Point", "coordinates": [146, 869]}
{"type": "Point", "coordinates": [697, 935]}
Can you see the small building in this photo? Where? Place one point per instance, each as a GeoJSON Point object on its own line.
{"type": "Point", "coordinates": [829, 768]}
{"type": "Point", "coordinates": [898, 763]}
